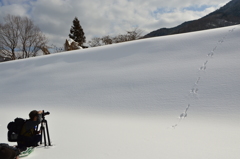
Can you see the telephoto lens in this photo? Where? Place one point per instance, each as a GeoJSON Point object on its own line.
{"type": "Point", "coordinates": [46, 113]}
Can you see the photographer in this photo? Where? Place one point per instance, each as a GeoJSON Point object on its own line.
{"type": "Point", "coordinates": [29, 136]}
{"type": "Point", "coordinates": [8, 152]}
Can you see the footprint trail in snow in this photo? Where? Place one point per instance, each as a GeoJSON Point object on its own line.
{"type": "Point", "coordinates": [194, 90]}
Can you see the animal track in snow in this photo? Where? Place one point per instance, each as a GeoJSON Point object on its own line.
{"type": "Point", "coordinates": [197, 80]}
{"type": "Point", "coordinates": [232, 30]}
{"type": "Point", "coordinates": [184, 114]}
{"type": "Point", "coordinates": [203, 68]}
{"type": "Point", "coordinates": [205, 63]}
{"type": "Point", "coordinates": [174, 126]}
{"type": "Point", "coordinates": [195, 89]}
{"type": "Point", "coordinates": [215, 48]}
{"type": "Point", "coordinates": [221, 40]}
{"type": "Point", "coordinates": [211, 54]}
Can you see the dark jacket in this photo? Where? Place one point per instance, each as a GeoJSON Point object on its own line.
{"type": "Point", "coordinates": [28, 129]}
{"type": "Point", "coordinates": [28, 136]}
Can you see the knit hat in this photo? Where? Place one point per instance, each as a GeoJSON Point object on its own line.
{"type": "Point", "coordinates": [7, 153]}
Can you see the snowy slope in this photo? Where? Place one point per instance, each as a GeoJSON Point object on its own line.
{"type": "Point", "coordinates": [124, 101]}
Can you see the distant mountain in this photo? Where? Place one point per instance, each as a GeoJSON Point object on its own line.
{"type": "Point", "coordinates": [225, 16]}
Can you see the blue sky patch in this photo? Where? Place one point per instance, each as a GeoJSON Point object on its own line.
{"type": "Point", "coordinates": [197, 8]}
{"type": "Point", "coordinates": [161, 11]}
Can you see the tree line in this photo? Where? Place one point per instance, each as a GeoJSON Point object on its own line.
{"type": "Point", "coordinates": [20, 38]}
{"type": "Point", "coordinates": [107, 40]}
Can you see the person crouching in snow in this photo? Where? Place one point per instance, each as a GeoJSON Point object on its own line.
{"type": "Point", "coordinates": [8, 152]}
{"type": "Point", "coordinates": [29, 136]}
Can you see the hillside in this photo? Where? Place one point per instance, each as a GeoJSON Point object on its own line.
{"type": "Point", "coordinates": [173, 97]}
{"type": "Point", "coordinates": [226, 16]}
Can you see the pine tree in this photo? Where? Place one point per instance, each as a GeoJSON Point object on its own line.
{"type": "Point", "coordinates": [76, 32]}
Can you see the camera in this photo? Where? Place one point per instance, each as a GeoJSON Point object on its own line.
{"type": "Point", "coordinates": [44, 129]}
{"type": "Point", "coordinates": [45, 113]}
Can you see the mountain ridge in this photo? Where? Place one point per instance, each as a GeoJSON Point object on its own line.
{"type": "Point", "coordinates": [227, 15]}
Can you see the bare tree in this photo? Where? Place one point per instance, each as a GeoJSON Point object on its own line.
{"type": "Point", "coordinates": [95, 42]}
{"type": "Point", "coordinates": [31, 38]}
{"type": "Point", "coordinates": [106, 40]}
{"type": "Point", "coordinates": [20, 38]}
{"type": "Point", "coordinates": [120, 38]}
{"type": "Point", "coordinates": [9, 35]}
{"type": "Point", "coordinates": [134, 34]}
{"type": "Point", "coordinates": [57, 49]}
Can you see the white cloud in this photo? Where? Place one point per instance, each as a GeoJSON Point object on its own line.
{"type": "Point", "coordinates": [106, 17]}
{"type": "Point", "coordinates": [14, 9]}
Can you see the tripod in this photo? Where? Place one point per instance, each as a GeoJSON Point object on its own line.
{"type": "Point", "coordinates": [44, 130]}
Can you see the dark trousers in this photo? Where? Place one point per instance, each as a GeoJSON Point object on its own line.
{"type": "Point", "coordinates": [29, 141]}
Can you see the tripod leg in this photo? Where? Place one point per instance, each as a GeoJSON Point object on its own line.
{"type": "Point", "coordinates": [42, 132]}
{"type": "Point", "coordinates": [49, 143]}
{"type": "Point", "coordinates": [44, 135]}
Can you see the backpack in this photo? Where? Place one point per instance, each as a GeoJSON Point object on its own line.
{"type": "Point", "coordinates": [14, 129]}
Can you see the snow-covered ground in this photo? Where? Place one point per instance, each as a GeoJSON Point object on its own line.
{"type": "Point", "coordinates": [124, 101]}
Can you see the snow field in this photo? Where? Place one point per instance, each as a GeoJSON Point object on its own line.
{"type": "Point", "coordinates": [124, 100]}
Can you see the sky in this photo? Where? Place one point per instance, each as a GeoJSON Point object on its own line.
{"type": "Point", "coordinates": [106, 17]}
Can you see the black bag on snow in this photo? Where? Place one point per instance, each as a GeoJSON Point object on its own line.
{"type": "Point", "coordinates": [14, 129]}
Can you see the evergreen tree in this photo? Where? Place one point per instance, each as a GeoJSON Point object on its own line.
{"type": "Point", "coordinates": [76, 32]}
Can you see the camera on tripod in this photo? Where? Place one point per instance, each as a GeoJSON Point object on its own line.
{"type": "Point", "coordinates": [45, 113]}
{"type": "Point", "coordinates": [44, 129]}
